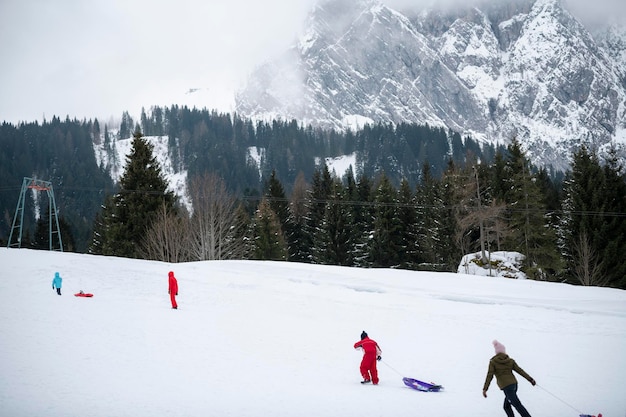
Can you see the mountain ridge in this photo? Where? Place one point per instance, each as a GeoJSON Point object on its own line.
{"type": "Point", "coordinates": [528, 70]}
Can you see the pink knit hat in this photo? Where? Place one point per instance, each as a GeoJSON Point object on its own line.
{"type": "Point", "coordinates": [499, 347]}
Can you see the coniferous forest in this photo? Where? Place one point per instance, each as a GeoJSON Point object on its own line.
{"type": "Point", "coordinates": [419, 197]}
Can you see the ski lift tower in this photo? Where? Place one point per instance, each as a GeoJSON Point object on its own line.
{"type": "Point", "coordinates": [53, 218]}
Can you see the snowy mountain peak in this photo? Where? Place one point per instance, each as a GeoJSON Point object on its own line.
{"type": "Point", "coordinates": [525, 69]}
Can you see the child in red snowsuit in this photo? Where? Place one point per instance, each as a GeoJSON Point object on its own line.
{"type": "Point", "coordinates": [370, 356]}
{"type": "Point", "coordinates": [173, 289]}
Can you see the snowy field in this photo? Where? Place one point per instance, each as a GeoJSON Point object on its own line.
{"type": "Point", "coordinates": [275, 339]}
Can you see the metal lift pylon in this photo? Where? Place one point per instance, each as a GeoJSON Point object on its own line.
{"type": "Point", "coordinates": [18, 219]}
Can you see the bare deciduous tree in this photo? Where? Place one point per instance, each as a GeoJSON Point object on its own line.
{"type": "Point", "coordinates": [496, 228]}
{"type": "Point", "coordinates": [297, 203]}
{"type": "Point", "coordinates": [214, 221]}
{"type": "Point", "coordinates": [473, 217]}
{"type": "Point", "coordinates": [166, 238]}
{"type": "Point", "coordinates": [586, 267]}
{"type": "Point", "coordinates": [468, 215]}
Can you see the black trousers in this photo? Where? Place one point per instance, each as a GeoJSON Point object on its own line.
{"type": "Point", "coordinates": [511, 400]}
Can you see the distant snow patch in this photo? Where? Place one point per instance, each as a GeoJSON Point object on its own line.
{"type": "Point", "coordinates": [339, 164]}
{"type": "Point", "coordinates": [356, 122]}
{"type": "Point", "coordinates": [256, 154]}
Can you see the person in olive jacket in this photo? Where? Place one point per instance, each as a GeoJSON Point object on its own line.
{"type": "Point", "coordinates": [502, 366]}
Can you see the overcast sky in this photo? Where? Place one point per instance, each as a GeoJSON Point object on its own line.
{"type": "Point", "coordinates": [97, 58]}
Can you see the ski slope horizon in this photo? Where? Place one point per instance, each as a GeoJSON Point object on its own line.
{"type": "Point", "coordinates": [259, 338]}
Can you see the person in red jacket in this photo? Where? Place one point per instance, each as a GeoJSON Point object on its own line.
{"type": "Point", "coordinates": [371, 353]}
{"type": "Point", "coordinates": [173, 289]}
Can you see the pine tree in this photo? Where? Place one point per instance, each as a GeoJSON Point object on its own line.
{"type": "Point", "coordinates": [407, 217]}
{"type": "Point", "coordinates": [333, 244]}
{"type": "Point", "coordinates": [296, 225]}
{"type": "Point", "coordinates": [143, 191]}
{"type": "Point", "coordinates": [316, 208]}
{"type": "Point", "coordinates": [450, 189]}
{"type": "Point", "coordinates": [350, 197]}
{"type": "Point", "coordinates": [528, 222]}
{"type": "Point", "coordinates": [428, 221]}
{"type": "Point", "coordinates": [275, 194]}
{"type": "Point", "coordinates": [583, 225]}
{"type": "Point", "coordinates": [241, 233]}
{"type": "Point", "coordinates": [385, 245]}
{"type": "Point", "coordinates": [363, 220]}
{"type": "Point", "coordinates": [615, 218]}
{"type": "Point", "coordinates": [277, 199]}
{"type": "Point", "coordinates": [126, 125]}
{"type": "Point", "coordinates": [41, 238]}
{"type": "Point", "coordinates": [268, 239]}
{"type": "Point", "coordinates": [101, 224]}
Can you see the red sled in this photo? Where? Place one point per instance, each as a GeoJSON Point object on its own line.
{"type": "Point", "coordinates": [83, 294]}
{"type": "Point", "coordinates": [418, 385]}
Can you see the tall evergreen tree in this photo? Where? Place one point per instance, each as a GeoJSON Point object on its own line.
{"type": "Point", "coordinates": [583, 223]}
{"type": "Point", "coordinates": [429, 211]}
{"type": "Point", "coordinates": [275, 194]}
{"type": "Point", "coordinates": [316, 208]}
{"type": "Point", "coordinates": [363, 220]}
{"type": "Point", "coordinates": [41, 238]}
{"type": "Point", "coordinates": [126, 126]}
{"type": "Point", "coordinates": [615, 218]}
{"type": "Point", "coordinates": [143, 191]}
{"type": "Point", "coordinates": [407, 217]}
{"type": "Point", "coordinates": [531, 232]}
{"type": "Point", "coordinates": [450, 191]}
{"type": "Point", "coordinates": [385, 245]}
{"type": "Point", "coordinates": [333, 243]}
{"type": "Point", "coordinates": [242, 232]}
{"type": "Point", "coordinates": [101, 225]}
{"type": "Point", "coordinates": [268, 239]}
{"type": "Point", "coordinates": [297, 238]}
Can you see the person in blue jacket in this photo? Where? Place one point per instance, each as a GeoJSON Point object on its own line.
{"type": "Point", "coordinates": [57, 282]}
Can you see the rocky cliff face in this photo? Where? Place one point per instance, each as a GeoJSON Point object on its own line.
{"type": "Point", "coordinates": [525, 69]}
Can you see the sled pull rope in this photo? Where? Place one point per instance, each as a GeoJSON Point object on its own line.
{"type": "Point", "coordinates": [390, 367]}
{"type": "Point", "coordinates": [567, 404]}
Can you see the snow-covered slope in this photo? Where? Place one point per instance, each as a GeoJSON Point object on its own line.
{"type": "Point", "coordinates": [276, 339]}
{"type": "Point", "coordinates": [525, 69]}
